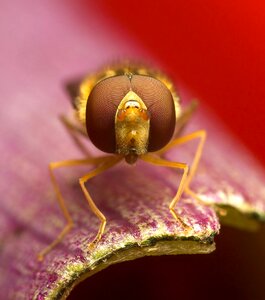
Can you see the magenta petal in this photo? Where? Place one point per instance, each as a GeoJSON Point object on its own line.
{"type": "Point", "coordinates": [43, 46]}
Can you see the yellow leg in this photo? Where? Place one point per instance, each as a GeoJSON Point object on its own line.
{"type": "Point", "coordinates": [185, 117]}
{"type": "Point", "coordinates": [108, 164]}
{"type": "Point", "coordinates": [165, 163]}
{"type": "Point", "coordinates": [60, 199]}
{"type": "Point", "coordinates": [201, 135]}
{"type": "Point", "coordinates": [75, 132]}
{"type": "Point", "coordinates": [187, 174]}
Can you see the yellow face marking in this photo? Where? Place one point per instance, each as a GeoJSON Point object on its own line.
{"type": "Point", "coordinates": [132, 125]}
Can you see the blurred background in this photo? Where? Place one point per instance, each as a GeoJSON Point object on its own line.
{"type": "Point", "coordinates": [216, 49]}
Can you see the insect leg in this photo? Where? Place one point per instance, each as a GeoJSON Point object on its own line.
{"type": "Point", "coordinates": [60, 199]}
{"type": "Point", "coordinates": [165, 163]}
{"type": "Point", "coordinates": [201, 135]}
{"type": "Point", "coordinates": [184, 118]}
{"type": "Point", "coordinates": [75, 132]}
{"type": "Point", "coordinates": [103, 167]}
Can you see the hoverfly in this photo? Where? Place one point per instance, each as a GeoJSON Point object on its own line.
{"type": "Point", "coordinates": [129, 112]}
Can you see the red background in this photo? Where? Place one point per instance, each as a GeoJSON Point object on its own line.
{"type": "Point", "coordinates": [217, 48]}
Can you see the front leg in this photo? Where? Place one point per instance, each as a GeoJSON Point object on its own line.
{"type": "Point", "coordinates": [69, 221]}
{"type": "Point", "coordinates": [201, 135]}
{"type": "Point", "coordinates": [165, 163]}
{"type": "Point", "coordinates": [103, 167]}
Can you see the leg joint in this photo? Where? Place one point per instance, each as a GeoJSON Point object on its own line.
{"type": "Point", "coordinates": [70, 224]}
{"type": "Point", "coordinates": [103, 219]}
{"type": "Point", "coordinates": [200, 133]}
{"type": "Point", "coordinates": [52, 165]}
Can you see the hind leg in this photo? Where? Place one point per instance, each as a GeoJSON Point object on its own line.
{"type": "Point", "coordinates": [75, 132]}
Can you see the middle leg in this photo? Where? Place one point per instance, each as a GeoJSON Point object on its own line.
{"type": "Point", "coordinates": [165, 163]}
{"type": "Point", "coordinates": [201, 135]}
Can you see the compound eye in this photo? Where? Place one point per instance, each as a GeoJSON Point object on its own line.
{"type": "Point", "coordinates": [101, 109]}
{"type": "Point", "coordinates": [105, 98]}
{"type": "Point", "coordinates": [160, 105]}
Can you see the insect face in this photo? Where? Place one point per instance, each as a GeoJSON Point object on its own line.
{"type": "Point", "coordinates": [130, 115]}
{"type": "Point", "coordinates": [132, 124]}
